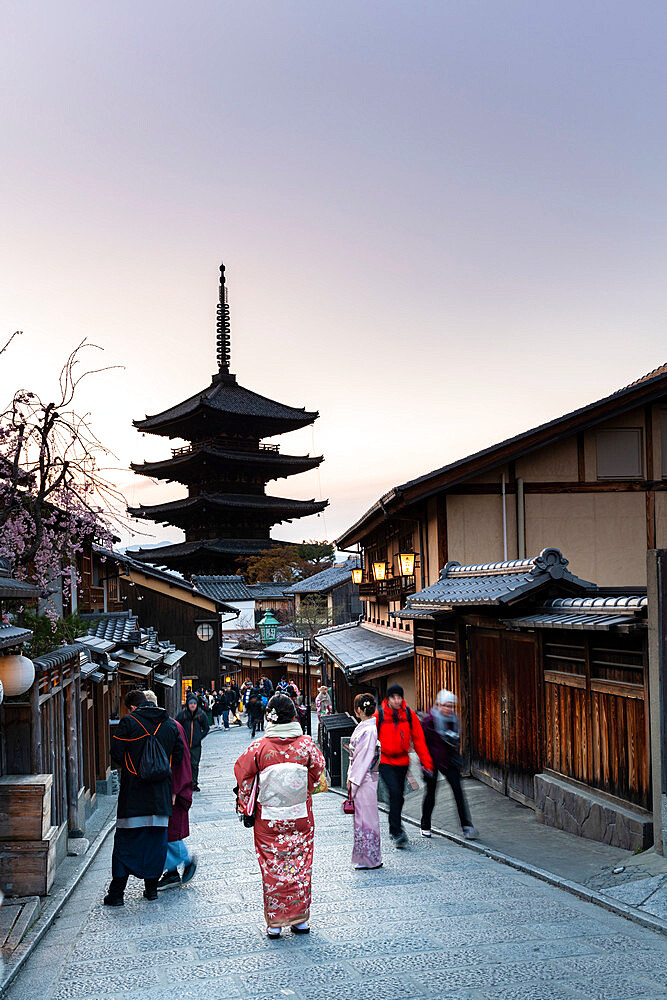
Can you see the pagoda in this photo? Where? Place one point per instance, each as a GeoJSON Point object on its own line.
{"type": "Point", "coordinates": [225, 467]}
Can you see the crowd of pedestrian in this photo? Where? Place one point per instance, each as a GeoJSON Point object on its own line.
{"type": "Point", "coordinates": [277, 774]}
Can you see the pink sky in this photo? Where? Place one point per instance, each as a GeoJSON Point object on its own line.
{"type": "Point", "coordinates": [442, 223]}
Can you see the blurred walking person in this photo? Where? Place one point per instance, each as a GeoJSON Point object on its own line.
{"type": "Point", "coordinates": [362, 784]}
{"type": "Point", "coordinates": [443, 736]}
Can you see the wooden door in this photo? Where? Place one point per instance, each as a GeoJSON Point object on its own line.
{"type": "Point", "coordinates": [504, 744]}
{"type": "Point", "coordinates": [487, 743]}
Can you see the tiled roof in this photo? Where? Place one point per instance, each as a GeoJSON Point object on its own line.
{"type": "Point", "coordinates": [9, 587]}
{"type": "Point", "coordinates": [622, 613]}
{"type": "Point", "coordinates": [57, 657]}
{"type": "Point", "coordinates": [226, 397]}
{"type": "Point", "coordinates": [13, 635]}
{"type": "Point", "coordinates": [282, 508]}
{"type": "Point", "coordinates": [321, 582]}
{"type": "Point", "coordinates": [223, 588]}
{"type": "Point", "coordinates": [268, 591]}
{"type": "Point", "coordinates": [117, 626]}
{"type": "Point", "coordinates": [493, 583]}
{"type": "Point", "coordinates": [285, 646]}
{"type": "Point", "coordinates": [358, 649]}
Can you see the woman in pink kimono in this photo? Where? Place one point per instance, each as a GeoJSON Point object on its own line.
{"type": "Point", "coordinates": [289, 765]}
{"type": "Point", "coordinates": [362, 783]}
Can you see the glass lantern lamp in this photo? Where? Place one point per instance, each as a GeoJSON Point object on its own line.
{"type": "Point", "coordinates": [268, 628]}
{"type": "Point", "coordinates": [379, 571]}
{"type": "Point", "coordinates": [357, 574]}
{"type": "Point", "coordinates": [406, 563]}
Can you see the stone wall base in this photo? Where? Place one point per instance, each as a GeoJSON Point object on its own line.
{"type": "Point", "coordinates": [585, 814]}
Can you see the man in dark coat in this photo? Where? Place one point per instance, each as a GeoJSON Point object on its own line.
{"type": "Point", "coordinates": [144, 807]}
{"type": "Point", "coordinates": [196, 727]}
{"type": "Point", "coordinates": [442, 735]}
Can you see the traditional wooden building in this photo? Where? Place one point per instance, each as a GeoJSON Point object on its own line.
{"type": "Point", "coordinates": [552, 678]}
{"type": "Point", "coordinates": [233, 592]}
{"type": "Point", "coordinates": [274, 597]}
{"type": "Point", "coordinates": [225, 467]}
{"type": "Point", "coordinates": [333, 590]}
{"type": "Point", "coordinates": [592, 483]}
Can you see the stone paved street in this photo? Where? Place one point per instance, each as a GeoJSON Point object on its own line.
{"type": "Point", "coordinates": [436, 921]}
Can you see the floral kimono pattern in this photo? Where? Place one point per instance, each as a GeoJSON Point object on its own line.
{"type": "Point", "coordinates": [363, 777]}
{"type": "Point", "coordinates": [289, 768]}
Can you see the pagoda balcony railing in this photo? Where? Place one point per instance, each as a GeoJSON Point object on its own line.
{"type": "Point", "coordinates": [191, 449]}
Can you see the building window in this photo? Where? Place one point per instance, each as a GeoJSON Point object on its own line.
{"type": "Point", "coordinates": [205, 632]}
{"type": "Point", "coordinates": [619, 453]}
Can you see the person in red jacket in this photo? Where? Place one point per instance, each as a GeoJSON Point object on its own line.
{"type": "Point", "coordinates": [399, 729]}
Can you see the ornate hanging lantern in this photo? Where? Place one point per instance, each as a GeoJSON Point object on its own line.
{"type": "Point", "coordinates": [406, 563]}
{"type": "Point", "coordinates": [379, 571]}
{"type": "Point", "coordinates": [357, 574]}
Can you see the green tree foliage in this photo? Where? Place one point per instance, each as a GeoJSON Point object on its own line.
{"type": "Point", "coordinates": [313, 614]}
{"type": "Point", "coordinates": [49, 631]}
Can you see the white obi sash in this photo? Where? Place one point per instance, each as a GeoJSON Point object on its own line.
{"type": "Point", "coordinates": [283, 790]}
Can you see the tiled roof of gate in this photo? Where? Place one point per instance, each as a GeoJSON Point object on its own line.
{"type": "Point", "coordinates": [358, 649]}
{"type": "Point", "coordinates": [116, 626]}
{"type": "Point", "coordinates": [623, 613]}
{"type": "Point", "coordinates": [492, 583]}
{"type": "Point", "coordinates": [57, 657]}
{"type": "Point", "coordinates": [268, 591]}
{"type": "Point", "coordinates": [13, 635]}
{"type": "Point", "coordinates": [223, 588]}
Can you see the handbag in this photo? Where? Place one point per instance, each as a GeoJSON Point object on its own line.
{"type": "Point", "coordinates": [348, 803]}
{"type": "Point", "coordinates": [322, 785]}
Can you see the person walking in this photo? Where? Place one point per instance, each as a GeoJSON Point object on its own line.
{"type": "Point", "coordinates": [230, 704]}
{"type": "Point", "coordinates": [266, 687]}
{"type": "Point", "coordinates": [142, 746]}
{"type": "Point", "coordinates": [288, 766]}
{"type": "Point", "coordinates": [362, 785]}
{"type": "Point", "coordinates": [323, 704]}
{"type": "Point", "coordinates": [442, 735]}
{"type": "Point", "coordinates": [399, 729]}
{"type": "Point", "coordinates": [255, 712]}
{"type": "Point", "coordinates": [196, 727]}
{"type": "Point", "coordinates": [218, 705]}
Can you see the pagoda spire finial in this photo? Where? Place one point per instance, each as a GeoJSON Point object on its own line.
{"type": "Point", "coordinates": [224, 332]}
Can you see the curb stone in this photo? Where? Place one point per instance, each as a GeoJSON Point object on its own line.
{"type": "Point", "coordinates": [588, 895]}
{"type": "Point", "coordinates": [52, 908]}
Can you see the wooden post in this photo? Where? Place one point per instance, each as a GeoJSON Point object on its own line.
{"type": "Point", "coordinates": [72, 752]}
{"type": "Point", "coordinates": [35, 728]}
{"type": "Point", "coordinates": [657, 657]}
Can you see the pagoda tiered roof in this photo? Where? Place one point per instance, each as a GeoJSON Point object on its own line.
{"type": "Point", "coordinates": [181, 512]}
{"type": "Point", "coordinates": [187, 464]}
{"type": "Point", "coordinates": [225, 467]}
{"type": "Point", "coordinates": [224, 407]}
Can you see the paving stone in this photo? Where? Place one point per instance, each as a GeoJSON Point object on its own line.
{"type": "Point", "coordinates": [436, 922]}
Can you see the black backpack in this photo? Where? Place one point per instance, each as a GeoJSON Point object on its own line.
{"type": "Point", "coordinates": [408, 715]}
{"type": "Point", "coordinates": [154, 764]}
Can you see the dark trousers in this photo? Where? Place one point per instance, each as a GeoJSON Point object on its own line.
{"type": "Point", "coordinates": [119, 884]}
{"type": "Point", "coordinates": [393, 776]}
{"type": "Point", "coordinates": [225, 717]}
{"type": "Point", "coordinates": [453, 776]}
{"type": "Point", "coordinates": [257, 722]}
{"type": "Point", "coordinates": [195, 757]}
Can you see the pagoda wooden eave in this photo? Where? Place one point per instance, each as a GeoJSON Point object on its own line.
{"type": "Point", "coordinates": [190, 463]}
{"type": "Point", "coordinates": [226, 406]}
{"type": "Point", "coordinates": [264, 508]}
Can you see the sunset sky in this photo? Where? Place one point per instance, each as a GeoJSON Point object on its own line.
{"type": "Point", "coordinates": [442, 222]}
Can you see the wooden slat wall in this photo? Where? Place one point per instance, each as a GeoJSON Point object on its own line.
{"type": "Point", "coordinates": [595, 714]}
{"type": "Point", "coordinates": [432, 673]}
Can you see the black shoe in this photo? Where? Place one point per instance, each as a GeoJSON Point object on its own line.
{"type": "Point", "coordinates": [168, 880]}
{"type": "Point", "coordinates": [189, 870]}
{"type": "Point", "coordinates": [196, 788]}
{"type": "Point", "coordinates": [302, 928]}
{"type": "Point", "coordinates": [402, 840]}
{"type": "Point", "coordinates": [150, 895]}
{"type": "Point", "coordinates": [114, 901]}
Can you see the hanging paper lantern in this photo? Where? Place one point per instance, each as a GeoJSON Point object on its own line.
{"type": "Point", "coordinates": [17, 674]}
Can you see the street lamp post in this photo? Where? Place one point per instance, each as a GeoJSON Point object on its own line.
{"type": "Point", "coordinates": [306, 677]}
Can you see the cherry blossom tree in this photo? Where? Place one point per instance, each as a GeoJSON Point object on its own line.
{"type": "Point", "coordinates": [54, 495]}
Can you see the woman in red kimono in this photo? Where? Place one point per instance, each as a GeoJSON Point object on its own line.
{"type": "Point", "coordinates": [289, 765]}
